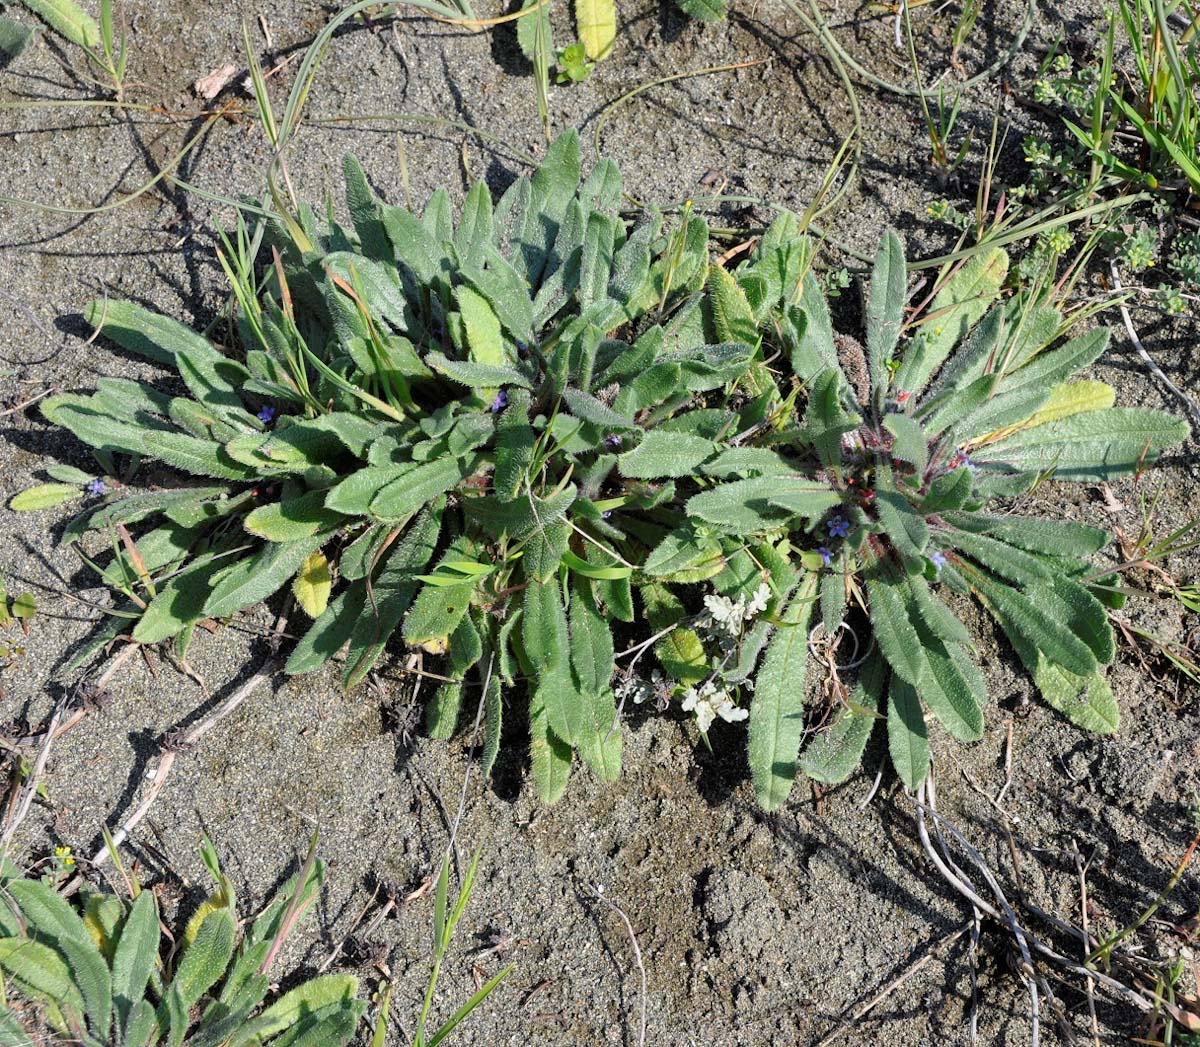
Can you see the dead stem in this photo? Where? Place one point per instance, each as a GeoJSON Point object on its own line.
{"type": "Point", "coordinates": [598, 894]}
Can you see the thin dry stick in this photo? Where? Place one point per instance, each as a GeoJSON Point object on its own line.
{"type": "Point", "coordinates": [1179, 395]}
{"type": "Point", "coordinates": [894, 984]}
{"type": "Point", "coordinates": [1028, 972]}
{"type": "Point", "coordinates": [1083, 912]}
{"type": "Point", "coordinates": [462, 796]}
{"type": "Point", "coordinates": [32, 741]}
{"type": "Point", "coordinates": [180, 745]}
{"type": "Point", "coordinates": [34, 778]}
{"type": "Point", "coordinates": [637, 959]}
{"type": "Point", "coordinates": [1129, 995]}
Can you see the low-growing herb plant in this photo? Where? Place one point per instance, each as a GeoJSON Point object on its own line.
{"type": "Point", "coordinates": [501, 441]}
{"type": "Point", "coordinates": [102, 972]}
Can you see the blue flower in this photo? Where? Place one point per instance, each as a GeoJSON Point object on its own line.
{"type": "Point", "coordinates": [961, 461]}
{"type": "Point", "coordinates": [500, 402]}
{"type": "Point", "coordinates": [826, 555]}
{"type": "Point", "coordinates": [612, 442]}
{"type": "Point", "coordinates": [95, 486]}
{"type": "Point", "coordinates": [838, 527]}
{"type": "Point", "coordinates": [266, 414]}
{"type": "Point", "coordinates": [607, 513]}
{"type": "Point", "coordinates": [938, 559]}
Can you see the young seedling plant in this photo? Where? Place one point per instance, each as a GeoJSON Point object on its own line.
{"type": "Point", "coordinates": [507, 440]}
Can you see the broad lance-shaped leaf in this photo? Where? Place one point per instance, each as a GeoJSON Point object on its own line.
{"type": "Point", "coordinates": [954, 688]}
{"type": "Point", "coordinates": [762, 503]}
{"type": "Point", "coordinates": [833, 755]}
{"type": "Point", "coordinates": [732, 316]}
{"type": "Point", "coordinates": [894, 630]}
{"type": "Point", "coordinates": [683, 549]}
{"type": "Point", "coordinates": [547, 646]}
{"type": "Point", "coordinates": [777, 710]}
{"type": "Point", "coordinates": [312, 585]}
{"type": "Point", "coordinates": [41, 970]}
{"type": "Point", "coordinates": [1091, 447]}
{"type": "Point", "coordinates": [515, 440]}
{"type": "Point", "coordinates": [955, 309]}
{"type": "Point", "coordinates": [948, 491]}
{"type": "Point", "coordinates": [1036, 535]}
{"type": "Point", "coordinates": [997, 556]}
{"type": "Point", "coordinates": [51, 920]}
{"type": "Point", "coordinates": [484, 340]}
{"type": "Point", "coordinates": [135, 956]}
{"type": "Point", "coordinates": [936, 616]}
{"type": "Point", "coordinates": [596, 22]}
{"type": "Point", "coordinates": [748, 461]}
{"type": "Point", "coordinates": [310, 997]}
{"type": "Point", "coordinates": [181, 601]}
{"type": "Point", "coordinates": [900, 520]}
{"type": "Point", "coordinates": [809, 334]}
{"type": "Point", "coordinates": [826, 421]}
{"type": "Point", "coordinates": [885, 312]}
{"type": "Point", "coordinates": [97, 427]}
{"type": "Point", "coordinates": [203, 962]}
{"type": "Point", "coordinates": [493, 708]}
{"type": "Point", "coordinates": [364, 210]}
{"type": "Point", "coordinates": [908, 737]}
{"type": "Point", "coordinates": [44, 496]}
{"type": "Point", "coordinates": [439, 609]}
{"type": "Point", "coordinates": [420, 486]}
{"type": "Point", "coordinates": [599, 740]}
{"type": "Point", "coordinates": [1047, 369]}
{"type": "Point", "coordinates": [291, 519]}
{"type": "Point", "coordinates": [394, 588]}
{"type": "Point", "coordinates": [549, 756]}
{"type": "Point", "coordinates": [665, 453]}
{"type": "Point", "coordinates": [1047, 634]}
{"type": "Point", "coordinates": [1086, 700]}
{"type": "Point", "coordinates": [254, 579]}
{"type": "Point", "coordinates": [213, 378]}
{"type": "Point", "coordinates": [910, 444]}
{"type": "Point", "coordinates": [327, 635]}
{"type": "Point", "coordinates": [1068, 602]}
{"type": "Point", "coordinates": [475, 226]}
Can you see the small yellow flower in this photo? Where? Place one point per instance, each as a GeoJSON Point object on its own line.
{"type": "Point", "coordinates": [63, 854]}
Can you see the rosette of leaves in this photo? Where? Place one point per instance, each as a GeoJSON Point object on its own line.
{"type": "Point", "coordinates": [499, 438]}
{"type": "Point", "coordinates": [419, 432]}
{"type": "Point", "coordinates": [103, 973]}
{"type": "Point", "coordinates": [910, 442]}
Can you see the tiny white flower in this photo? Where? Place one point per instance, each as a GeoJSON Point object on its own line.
{"type": "Point", "coordinates": [729, 712]}
{"type": "Point", "coordinates": [709, 701]}
{"type": "Point", "coordinates": [694, 703]}
{"type": "Point", "coordinates": [758, 604]}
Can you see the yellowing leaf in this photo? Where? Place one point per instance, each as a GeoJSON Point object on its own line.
{"type": "Point", "coordinates": [1074, 398]}
{"type": "Point", "coordinates": [215, 902]}
{"type": "Point", "coordinates": [1067, 399]}
{"type": "Point", "coordinates": [596, 21]}
{"type": "Point", "coordinates": [312, 585]}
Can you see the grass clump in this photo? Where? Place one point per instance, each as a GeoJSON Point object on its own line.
{"type": "Point", "coordinates": [496, 441]}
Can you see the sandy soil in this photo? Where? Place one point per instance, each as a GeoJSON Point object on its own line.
{"type": "Point", "coordinates": [753, 929]}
